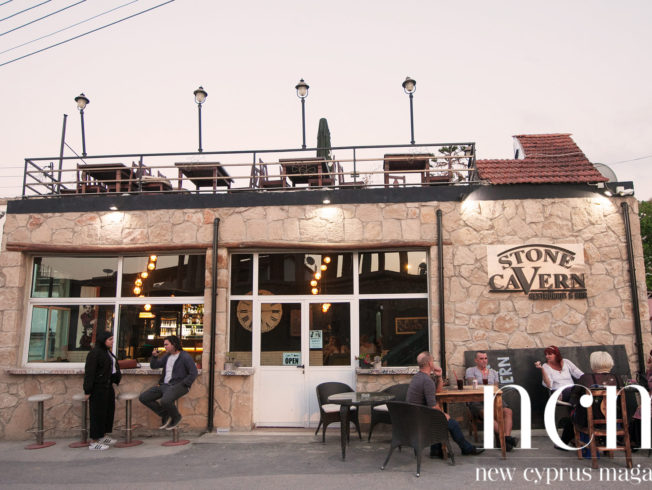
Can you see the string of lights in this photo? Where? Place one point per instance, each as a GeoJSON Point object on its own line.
{"type": "Point", "coordinates": [85, 33]}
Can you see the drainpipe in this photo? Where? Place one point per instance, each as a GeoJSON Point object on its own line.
{"type": "Point", "coordinates": [211, 363]}
{"type": "Point", "coordinates": [440, 273]}
{"type": "Point", "coordinates": [634, 287]}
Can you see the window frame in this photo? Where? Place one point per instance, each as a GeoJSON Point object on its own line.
{"type": "Point", "coordinates": [354, 298]}
{"type": "Point", "coordinates": [117, 301]}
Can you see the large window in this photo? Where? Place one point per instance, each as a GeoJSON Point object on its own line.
{"type": "Point", "coordinates": [388, 289]}
{"type": "Point", "coordinates": [141, 299]}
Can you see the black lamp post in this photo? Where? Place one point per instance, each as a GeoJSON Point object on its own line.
{"type": "Point", "coordinates": [302, 92]}
{"type": "Point", "coordinates": [200, 98]}
{"type": "Point", "coordinates": [410, 86]}
{"type": "Point", "coordinates": [82, 102]}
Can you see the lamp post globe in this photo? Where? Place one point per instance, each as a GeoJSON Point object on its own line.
{"type": "Point", "coordinates": [200, 97]}
{"type": "Point", "coordinates": [409, 87]}
{"type": "Point", "coordinates": [302, 92]}
{"type": "Point", "coordinates": [82, 101]}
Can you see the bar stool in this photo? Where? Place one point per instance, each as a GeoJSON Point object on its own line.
{"type": "Point", "coordinates": [39, 430]}
{"type": "Point", "coordinates": [175, 434]}
{"type": "Point", "coordinates": [128, 428]}
{"type": "Point", "coordinates": [84, 442]}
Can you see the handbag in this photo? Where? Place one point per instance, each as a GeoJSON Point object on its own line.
{"type": "Point", "coordinates": [128, 364]}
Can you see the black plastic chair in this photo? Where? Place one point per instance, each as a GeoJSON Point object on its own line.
{"type": "Point", "coordinates": [330, 412]}
{"type": "Point", "coordinates": [418, 427]}
{"type": "Point", "coordinates": [380, 413]}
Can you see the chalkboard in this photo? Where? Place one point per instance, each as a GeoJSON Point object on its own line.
{"type": "Point", "coordinates": [516, 366]}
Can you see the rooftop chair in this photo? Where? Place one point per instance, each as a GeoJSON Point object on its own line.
{"type": "Point", "coordinates": [264, 180]}
{"type": "Point", "coordinates": [418, 427]}
{"type": "Point", "coordinates": [330, 412]}
{"type": "Point", "coordinates": [340, 178]}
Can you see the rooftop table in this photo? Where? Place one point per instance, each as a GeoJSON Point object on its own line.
{"type": "Point", "coordinates": [115, 177]}
{"type": "Point", "coordinates": [309, 170]}
{"type": "Point", "coordinates": [355, 398]}
{"type": "Point", "coordinates": [204, 174]}
{"type": "Point", "coordinates": [451, 394]}
{"type": "Point", "coordinates": [409, 163]}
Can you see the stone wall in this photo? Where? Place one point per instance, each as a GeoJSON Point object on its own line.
{"type": "Point", "coordinates": [475, 318]}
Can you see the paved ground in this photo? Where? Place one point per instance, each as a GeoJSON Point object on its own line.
{"type": "Point", "coordinates": [282, 459]}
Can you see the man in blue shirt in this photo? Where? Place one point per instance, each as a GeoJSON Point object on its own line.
{"type": "Point", "coordinates": [481, 371]}
{"type": "Point", "coordinates": [422, 391]}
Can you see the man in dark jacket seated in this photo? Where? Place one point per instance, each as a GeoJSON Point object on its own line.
{"type": "Point", "coordinates": [422, 391]}
{"type": "Point", "coordinates": [179, 372]}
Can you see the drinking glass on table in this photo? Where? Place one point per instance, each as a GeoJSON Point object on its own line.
{"type": "Point", "coordinates": [485, 381]}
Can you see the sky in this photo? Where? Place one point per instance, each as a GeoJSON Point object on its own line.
{"type": "Point", "coordinates": [485, 71]}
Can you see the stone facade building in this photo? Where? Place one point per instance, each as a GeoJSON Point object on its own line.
{"type": "Point", "coordinates": [501, 244]}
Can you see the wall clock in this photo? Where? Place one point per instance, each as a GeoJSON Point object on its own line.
{"type": "Point", "coordinates": [270, 313]}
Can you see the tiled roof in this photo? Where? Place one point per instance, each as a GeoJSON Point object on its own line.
{"type": "Point", "coordinates": [549, 158]}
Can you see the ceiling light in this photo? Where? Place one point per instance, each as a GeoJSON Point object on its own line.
{"type": "Point", "coordinates": [318, 275]}
{"type": "Point", "coordinates": [144, 274]}
{"type": "Point", "coordinates": [138, 282]}
{"type": "Point", "coordinates": [313, 283]}
{"type": "Point", "coordinates": [323, 267]}
{"type": "Point", "coordinates": [151, 266]}
{"type": "Point", "coordinates": [113, 207]}
{"type": "Point", "coordinates": [137, 290]}
{"type": "Point", "coordinates": [314, 290]}
{"type": "Point", "coordinates": [327, 260]}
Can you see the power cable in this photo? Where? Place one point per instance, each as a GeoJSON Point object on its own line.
{"type": "Point", "coordinates": [4, 3]}
{"type": "Point", "coordinates": [69, 27]}
{"type": "Point", "coordinates": [41, 18]}
{"type": "Point", "coordinates": [18, 13]}
{"type": "Point", "coordinates": [631, 160]}
{"type": "Point", "coordinates": [85, 33]}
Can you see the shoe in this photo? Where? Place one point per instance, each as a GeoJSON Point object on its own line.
{"type": "Point", "coordinates": [96, 446]}
{"type": "Point", "coordinates": [107, 441]}
{"type": "Point", "coordinates": [513, 441]}
{"type": "Point", "coordinates": [174, 423]}
{"type": "Point", "coordinates": [473, 452]}
{"type": "Point", "coordinates": [166, 421]}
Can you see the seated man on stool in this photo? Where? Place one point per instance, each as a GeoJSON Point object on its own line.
{"type": "Point", "coordinates": [478, 372]}
{"type": "Point", "coordinates": [422, 391]}
{"type": "Point", "coordinates": [179, 372]}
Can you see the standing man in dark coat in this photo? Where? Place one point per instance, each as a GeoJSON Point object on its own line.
{"type": "Point", "coordinates": [179, 372]}
{"type": "Point", "coordinates": [100, 372]}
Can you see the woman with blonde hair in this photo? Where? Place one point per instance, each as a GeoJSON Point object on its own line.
{"type": "Point", "coordinates": [601, 365]}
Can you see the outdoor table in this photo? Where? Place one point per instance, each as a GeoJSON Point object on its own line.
{"type": "Point", "coordinates": [115, 176]}
{"type": "Point", "coordinates": [204, 174]}
{"type": "Point", "coordinates": [356, 399]}
{"type": "Point", "coordinates": [451, 394]}
{"type": "Point", "coordinates": [406, 162]}
{"type": "Point", "coordinates": [306, 170]}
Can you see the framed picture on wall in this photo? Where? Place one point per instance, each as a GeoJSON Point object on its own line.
{"type": "Point", "coordinates": [407, 325]}
{"type": "Point", "coordinates": [86, 326]}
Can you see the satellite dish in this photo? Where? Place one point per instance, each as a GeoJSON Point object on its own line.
{"type": "Point", "coordinates": [606, 172]}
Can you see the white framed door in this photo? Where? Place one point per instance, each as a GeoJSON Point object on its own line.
{"type": "Point", "coordinates": [309, 344]}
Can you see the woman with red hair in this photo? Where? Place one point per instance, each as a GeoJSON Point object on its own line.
{"type": "Point", "coordinates": [557, 371]}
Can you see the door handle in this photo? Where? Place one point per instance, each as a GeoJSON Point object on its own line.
{"type": "Point", "coordinates": [301, 366]}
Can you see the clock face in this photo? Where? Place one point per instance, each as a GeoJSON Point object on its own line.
{"type": "Point", "coordinates": [270, 314]}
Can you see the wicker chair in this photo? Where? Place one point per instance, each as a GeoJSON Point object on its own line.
{"type": "Point", "coordinates": [330, 412]}
{"type": "Point", "coordinates": [417, 426]}
{"type": "Point", "coordinates": [380, 413]}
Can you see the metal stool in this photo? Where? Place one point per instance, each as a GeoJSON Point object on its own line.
{"type": "Point", "coordinates": [84, 442]}
{"type": "Point", "coordinates": [39, 430]}
{"type": "Point", "coordinates": [175, 435]}
{"type": "Point", "coordinates": [128, 428]}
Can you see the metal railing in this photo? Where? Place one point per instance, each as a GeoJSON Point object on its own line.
{"type": "Point", "coordinates": [377, 166]}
